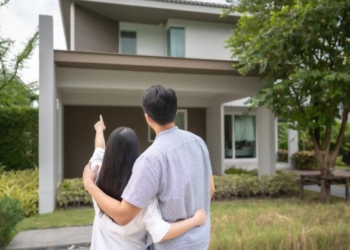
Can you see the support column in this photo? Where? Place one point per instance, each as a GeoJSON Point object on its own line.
{"type": "Point", "coordinates": [215, 136]}
{"type": "Point", "coordinates": [72, 26]}
{"type": "Point", "coordinates": [266, 141]}
{"type": "Point", "coordinates": [276, 135]}
{"type": "Point", "coordinates": [293, 145]}
{"type": "Point", "coordinates": [60, 160]}
{"type": "Point", "coordinates": [47, 118]}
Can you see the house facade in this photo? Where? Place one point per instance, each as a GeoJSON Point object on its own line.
{"type": "Point", "coordinates": [118, 48]}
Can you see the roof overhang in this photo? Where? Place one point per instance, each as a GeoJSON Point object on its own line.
{"type": "Point", "coordinates": [146, 11]}
{"type": "Point", "coordinates": [88, 60]}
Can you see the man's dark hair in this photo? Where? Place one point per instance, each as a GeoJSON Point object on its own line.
{"type": "Point", "coordinates": [160, 104]}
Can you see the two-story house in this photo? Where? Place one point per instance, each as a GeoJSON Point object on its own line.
{"type": "Point", "coordinates": [118, 48]}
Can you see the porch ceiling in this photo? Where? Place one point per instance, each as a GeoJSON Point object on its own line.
{"type": "Point", "coordinates": [90, 60]}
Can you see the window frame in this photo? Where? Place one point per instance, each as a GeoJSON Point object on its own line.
{"type": "Point", "coordinates": [233, 114]}
{"type": "Point", "coordinates": [185, 111]}
{"type": "Point", "coordinates": [120, 39]}
{"type": "Point", "coordinates": [168, 42]}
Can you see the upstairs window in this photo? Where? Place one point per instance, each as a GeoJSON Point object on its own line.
{"type": "Point", "coordinates": [176, 42]}
{"type": "Point", "coordinates": [128, 42]}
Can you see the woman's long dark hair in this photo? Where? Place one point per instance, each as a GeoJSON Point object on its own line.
{"type": "Point", "coordinates": [122, 150]}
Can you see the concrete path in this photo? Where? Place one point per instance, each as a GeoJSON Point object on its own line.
{"type": "Point", "coordinates": [337, 191]}
{"type": "Point", "coordinates": [44, 238]}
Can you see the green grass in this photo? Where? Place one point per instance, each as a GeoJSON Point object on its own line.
{"type": "Point", "coordinates": [60, 218]}
{"type": "Point", "coordinates": [342, 167]}
{"type": "Point", "coordinates": [281, 224]}
{"type": "Point", "coordinates": [288, 224]}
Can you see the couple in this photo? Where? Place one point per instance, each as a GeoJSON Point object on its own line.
{"type": "Point", "coordinates": [165, 191]}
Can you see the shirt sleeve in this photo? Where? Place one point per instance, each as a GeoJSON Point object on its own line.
{"type": "Point", "coordinates": [144, 183]}
{"type": "Point", "coordinates": [96, 159]}
{"type": "Point", "coordinates": [154, 223]}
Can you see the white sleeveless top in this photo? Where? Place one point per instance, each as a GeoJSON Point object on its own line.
{"type": "Point", "coordinates": [108, 235]}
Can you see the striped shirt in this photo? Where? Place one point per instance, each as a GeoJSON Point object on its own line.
{"type": "Point", "coordinates": [176, 169]}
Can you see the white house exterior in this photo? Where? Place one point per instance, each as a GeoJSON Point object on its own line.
{"type": "Point", "coordinates": [117, 49]}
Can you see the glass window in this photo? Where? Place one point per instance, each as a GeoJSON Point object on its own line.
{"type": "Point", "coordinates": [128, 42]}
{"type": "Point", "coordinates": [245, 137]}
{"type": "Point", "coordinates": [228, 136]}
{"type": "Point", "coordinates": [176, 42]}
{"type": "Point", "coordinates": [180, 121]}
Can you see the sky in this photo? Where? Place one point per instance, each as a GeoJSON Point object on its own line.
{"type": "Point", "coordinates": [20, 18]}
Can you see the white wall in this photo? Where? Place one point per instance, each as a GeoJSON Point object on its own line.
{"type": "Point", "coordinates": [204, 40]}
{"type": "Point", "coordinates": [151, 39]}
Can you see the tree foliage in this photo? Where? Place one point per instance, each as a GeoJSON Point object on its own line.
{"type": "Point", "coordinates": [302, 51]}
{"type": "Point", "coordinates": [19, 138]}
{"type": "Point", "coordinates": [12, 90]}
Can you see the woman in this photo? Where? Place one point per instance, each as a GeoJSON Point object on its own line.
{"type": "Point", "coordinates": [116, 161]}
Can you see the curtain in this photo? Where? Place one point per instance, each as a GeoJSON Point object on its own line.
{"type": "Point", "coordinates": [128, 42]}
{"type": "Point", "coordinates": [176, 42]}
{"type": "Point", "coordinates": [244, 128]}
{"type": "Point", "coordinates": [239, 126]}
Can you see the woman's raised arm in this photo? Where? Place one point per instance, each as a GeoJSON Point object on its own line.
{"type": "Point", "coordinates": [100, 138]}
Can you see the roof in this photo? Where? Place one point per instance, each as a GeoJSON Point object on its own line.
{"type": "Point", "coordinates": [208, 4]}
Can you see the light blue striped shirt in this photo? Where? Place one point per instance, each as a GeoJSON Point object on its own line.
{"type": "Point", "coordinates": [176, 169]}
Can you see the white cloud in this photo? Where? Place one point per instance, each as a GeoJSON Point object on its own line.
{"type": "Point", "coordinates": [20, 18]}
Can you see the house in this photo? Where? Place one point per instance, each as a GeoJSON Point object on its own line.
{"type": "Point", "coordinates": [118, 48]}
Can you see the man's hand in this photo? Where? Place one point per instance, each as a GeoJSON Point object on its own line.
{"type": "Point", "coordinates": [100, 125]}
{"type": "Point", "coordinates": [89, 175]}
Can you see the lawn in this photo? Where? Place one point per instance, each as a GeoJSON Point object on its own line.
{"type": "Point", "coordinates": [60, 218]}
{"type": "Point", "coordinates": [251, 224]}
{"type": "Point", "coordinates": [342, 167]}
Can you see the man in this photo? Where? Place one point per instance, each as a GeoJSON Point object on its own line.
{"type": "Point", "coordinates": [175, 168]}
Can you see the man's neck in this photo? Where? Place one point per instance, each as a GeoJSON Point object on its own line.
{"type": "Point", "coordinates": [160, 129]}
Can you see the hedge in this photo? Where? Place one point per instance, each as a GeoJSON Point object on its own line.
{"type": "Point", "coordinates": [282, 155]}
{"type": "Point", "coordinates": [247, 185]}
{"type": "Point", "coordinates": [72, 191]}
{"type": "Point", "coordinates": [19, 138]}
{"type": "Point", "coordinates": [305, 160]}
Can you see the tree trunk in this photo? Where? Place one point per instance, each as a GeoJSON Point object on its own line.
{"type": "Point", "coordinates": [325, 159]}
{"type": "Point", "coordinates": [322, 159]}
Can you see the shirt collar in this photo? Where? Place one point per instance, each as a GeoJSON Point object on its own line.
{"type": "Point", "coordinates": [167, 131]}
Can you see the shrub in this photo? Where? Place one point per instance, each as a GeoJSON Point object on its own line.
{"type": "Point", "coordinates": [282, 155]}
{"type": "Point", "coordinates": [72, 191]}
{"type": "Point", "coordinates": [22, 186]}
{"type": "Point", "coordinates": [305, 160]}
{"type": "Point", "coordinates": [340, 162]}
{"type": "Point", "coordinates": [10, 216]}
{"type": "Point", "coordinates": [238, 171]}
{"type": "Point", "coordinates": [19, 138]}
{"type": "Point", "coordinates": [222, 187]}
{"type": "Point", "coordinates": [246, 185]}
{"type": "Point", "coordinates": [234, 170]}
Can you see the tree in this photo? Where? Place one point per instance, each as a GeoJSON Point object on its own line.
{"type": "Point", "coordinates": [302, 51]}
{"type": "Point", "coordinates": [12, 90]}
